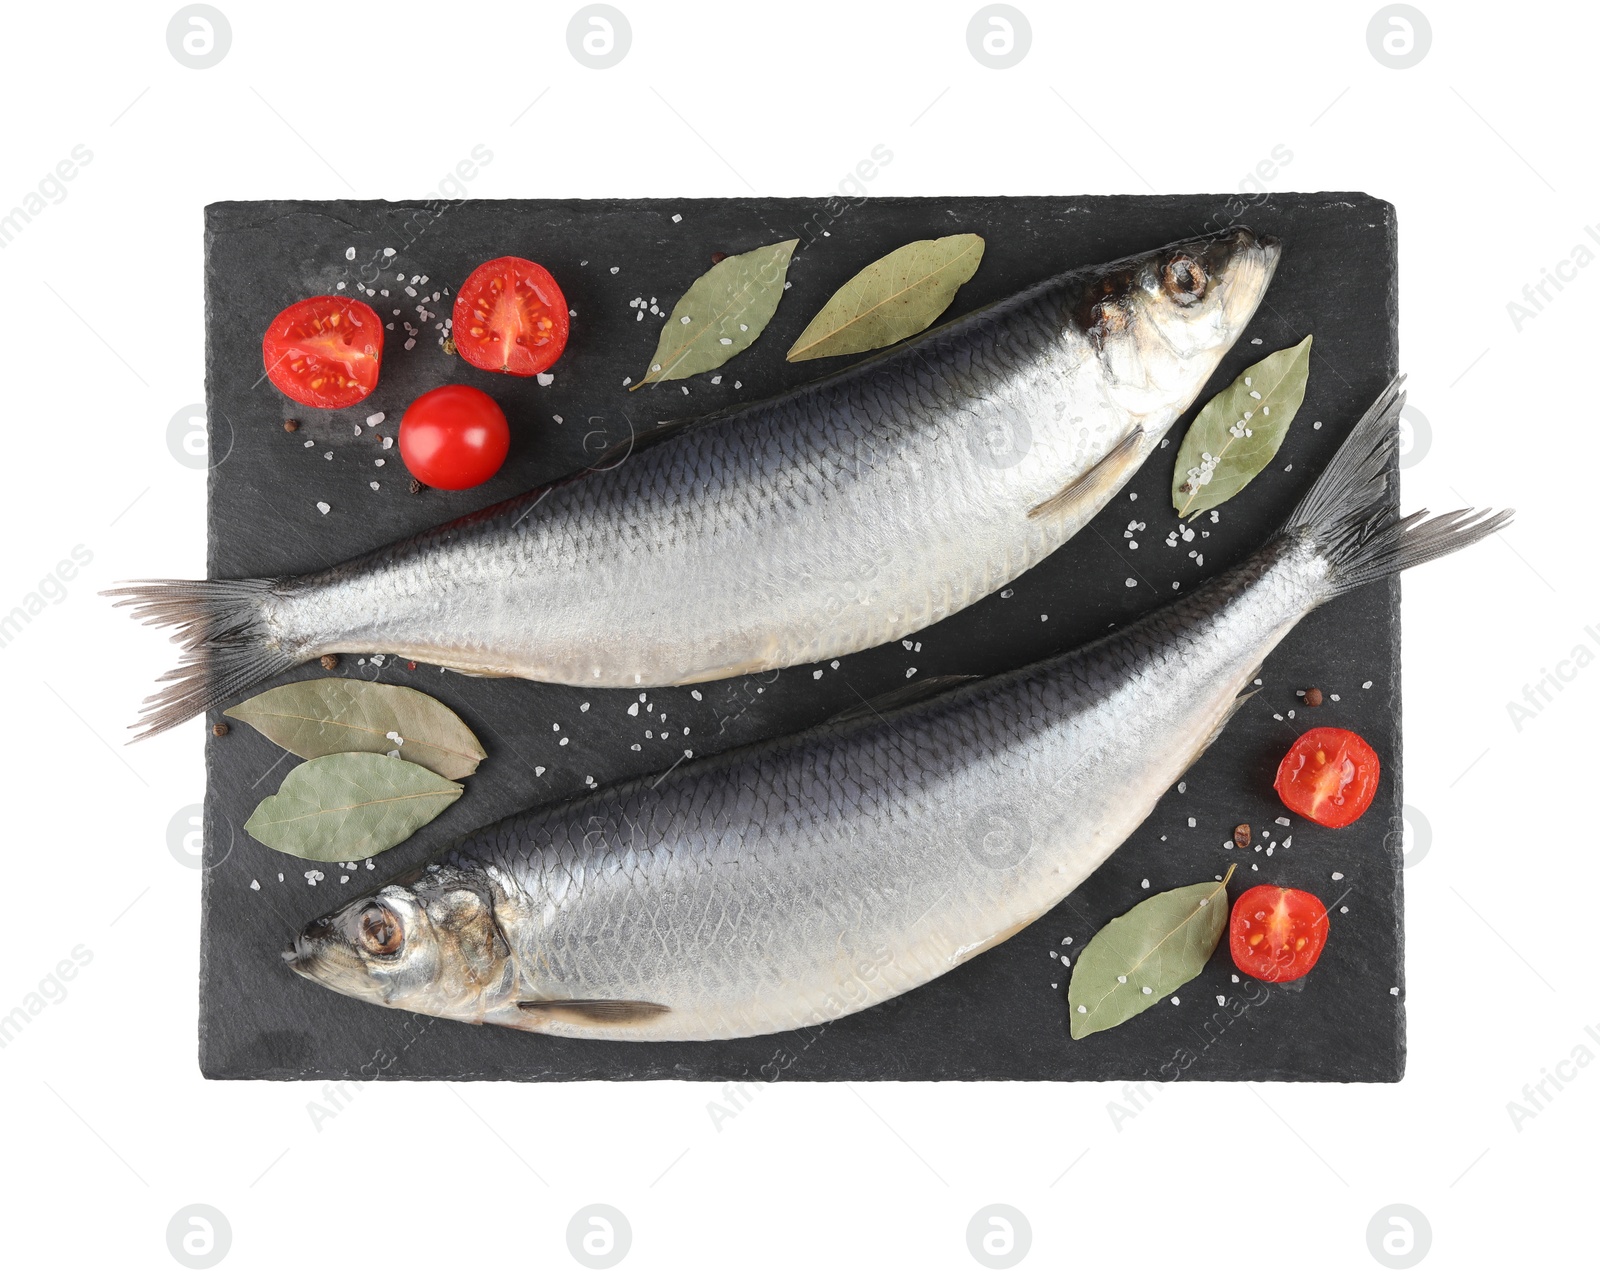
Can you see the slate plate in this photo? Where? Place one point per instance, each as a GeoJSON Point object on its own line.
{"type": "Point", "coordinates": [1000, 1016]}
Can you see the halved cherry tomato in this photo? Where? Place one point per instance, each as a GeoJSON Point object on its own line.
{"type": "Point", "coordinates": [1329, 776]}
{"type": "Point", "coordinates": [1276, 934]}
{"type": "Point", "coordinates": [454, 437]}
{"type": "Point", "coordinates": [510, 317]}
{"type": "Point", "coordinates": [324, 351]}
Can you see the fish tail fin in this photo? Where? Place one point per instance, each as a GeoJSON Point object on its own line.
{"type": "Point", "coordinates": [1352, 522]}
{"type": "Point", "coordinates": [227, 642]}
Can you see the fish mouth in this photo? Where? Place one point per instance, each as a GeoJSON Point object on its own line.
{"type": "Point", "coordinates": [304, 952]}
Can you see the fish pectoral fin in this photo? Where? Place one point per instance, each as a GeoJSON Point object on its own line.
{"type": "Point", "coordinates": [1239, 701]}
{"type": "Point", "coordinates": [596, 1011]}
{"type": "Point", "coordinates": [1096, 484]}
{"type": "Point", "coordinates": [900, 697]}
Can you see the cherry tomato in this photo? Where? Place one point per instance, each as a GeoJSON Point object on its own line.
{"type": "Point", "coordinates": [1329, 776]}
{"type": "Point", "coordinates": [510, 317]}
{"type": "Point", "coordinates": [324, 351]}
{"type": "Point", "coordinates": [1277, 935]}
{"type": "Point", "coordinates": [454, 437]}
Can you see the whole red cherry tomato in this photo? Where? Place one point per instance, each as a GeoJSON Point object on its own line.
{"type": "Point", "coordinates": [454, 437]}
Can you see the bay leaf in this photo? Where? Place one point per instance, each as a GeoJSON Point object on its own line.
{"type": "Point", "coordinates": [1145, 954]}
{"type": "Point", "coordinates": [346, 715]}
{"type": "Point", "coordinates": [895, 297]}
{"type": "Point", "coordinates": [349, 806]}
{"type": "Point", "coordinates": [1239, 431]}
{"type": "Point", "coordinates": [723, 311]}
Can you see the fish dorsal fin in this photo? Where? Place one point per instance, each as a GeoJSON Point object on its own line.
{"type": "Point", "coordinates": [586, 1012]}
{"type": "Point", "coordinates": [900, 697]}
{"type": "Point", "coordinates": [1096, 483]}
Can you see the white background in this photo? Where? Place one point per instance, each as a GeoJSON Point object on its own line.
{"type": "Point", "coordinates": [1486, 149]}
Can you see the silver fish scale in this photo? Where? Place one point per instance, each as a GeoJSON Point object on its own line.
{"type": "Point", "coordinates": [794, 882]}
{"type": "Point", "coordinates": [836, 517]}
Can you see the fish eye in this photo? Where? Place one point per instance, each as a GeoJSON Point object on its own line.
{"type": "Point", "coordinates": [1184, 279]}
{"type": "Point", "coordinates": [380, 931]}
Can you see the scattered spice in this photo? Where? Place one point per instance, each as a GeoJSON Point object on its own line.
{"type": "Point", "coordinates": [718, 256]}
{"type": "Point", "coordinates": [448, 345]}
{"type": "Point", "coordinates": [1314, 698]}
{"type": "Point", "coordinates": [1241, 836]}
{"type": "Point", "coordinates": [290, 425]}
{"type": "Point", "coordinates": [220, 729]}
{"type": "Point", "coordinates": [416, 486]}
{"type": "Point", "coordinates": [411, 665]}
{"type": "Point", "coordinates": [330, 662]}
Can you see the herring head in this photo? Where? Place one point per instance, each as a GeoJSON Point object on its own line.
{"type": "Point", "coordinates": [428, 944]}
{"type": "Point", "coordinates": [1161, 322]}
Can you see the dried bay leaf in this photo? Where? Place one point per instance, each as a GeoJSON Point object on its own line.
{"type": "Point", "coordinates": [344, 715]}
{"type": "Point", "coordinates": [1239, 431]}
{"type": "Point", "coordinates": [895, 297]}
{"type": "Point", "coordinates": [349, 806]}
{"type": "Point", "coordinates": [1145, 954]}
{"type": "Point", "coordinates": [723, 311]}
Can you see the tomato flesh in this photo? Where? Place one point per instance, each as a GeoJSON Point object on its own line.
{"type": "Point", "coordinates": [510, 316]}
{"type": "Point", "coordinates": [324, 351]}
{"type": "Point", "coordinates": [454, 437]}
{"type": "Point", "coordinates": [1275, 934]}
{"type": "Point", "coordinates": [1329, 775]}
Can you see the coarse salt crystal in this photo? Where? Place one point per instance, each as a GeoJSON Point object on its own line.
{"type": "Point", "coordinates": [323, 506]}
{"type": "Point", "coordinates": [1338, 876]}
{"type": "Point", "coordinates": [545, 378]}
{"type": "Point", "coordinates": [350, 254]}
{"type": "Point", "coordinates": [254, 884]}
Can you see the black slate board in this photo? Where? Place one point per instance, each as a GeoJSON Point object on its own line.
{"type": "Point", "coordinates": [997, 1017]}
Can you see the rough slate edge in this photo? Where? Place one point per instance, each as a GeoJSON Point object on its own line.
{"type": "Point", "coordinates": [1247, 1050]}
